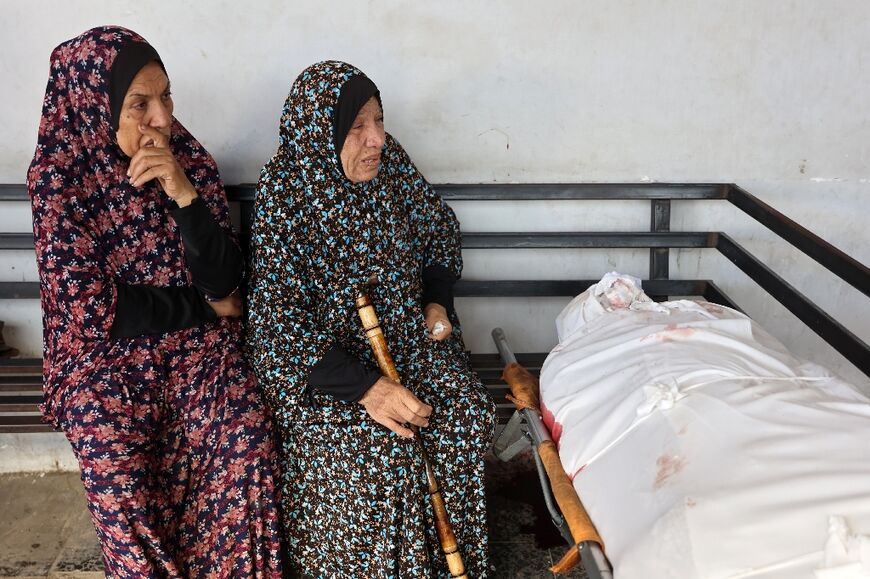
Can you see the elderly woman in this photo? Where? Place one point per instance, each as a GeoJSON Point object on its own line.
{"type": "Point", "coordinates": [339, 201]}
{"type": "Point", "coordinates": [143, 366]}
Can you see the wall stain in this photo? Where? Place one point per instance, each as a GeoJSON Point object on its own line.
{"type": "Point", "coordinates": [504, 134]}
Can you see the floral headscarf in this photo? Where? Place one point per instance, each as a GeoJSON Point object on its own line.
{"type": "Point", "coordinates": [318, 236]}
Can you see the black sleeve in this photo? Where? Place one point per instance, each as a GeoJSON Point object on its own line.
{"type": "Point", "coordinates": [214, 260]}
{"type": "Point", "coordinates": [145, 309]}
{"type": "Point", "coordinates": [438, 286]}
{"type": "Point", "coordinates": [342, 375]}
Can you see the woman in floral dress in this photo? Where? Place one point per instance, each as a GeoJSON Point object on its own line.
{"type": "Point", "coordinates": [340, 201]}
{"type": "Point", "coordinates": [143, 365]}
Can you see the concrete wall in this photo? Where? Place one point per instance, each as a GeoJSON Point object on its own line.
{"type": "Point", "coordinates": [770, 95]}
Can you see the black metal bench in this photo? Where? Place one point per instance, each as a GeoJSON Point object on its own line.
{"type": "Point", "coordinates": [20, 395]}
{"type": "Point", "coordinates": [20, 380]}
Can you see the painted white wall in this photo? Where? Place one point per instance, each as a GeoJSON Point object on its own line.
{"type": "Point", "coordinates": [770, 95]}
{"type": "Point", "coordinates": [36, 452]}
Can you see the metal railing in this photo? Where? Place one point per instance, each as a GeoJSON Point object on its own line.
{"type": "Point", "coordinates": [659, 240]}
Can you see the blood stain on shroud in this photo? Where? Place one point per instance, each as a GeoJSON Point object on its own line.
{"type": "Point", "coordinates": [671, 333]}
{"type": "Point", "coordinates": [668, 467]}
{"type": "Point", "coordinates": [554, 427]}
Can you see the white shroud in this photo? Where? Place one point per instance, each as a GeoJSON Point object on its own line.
{"type": "Point", "coordinates": [701, 448]}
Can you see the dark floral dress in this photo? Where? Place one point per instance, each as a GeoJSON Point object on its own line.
{"type": "Point", "coordinates": [354, 495]}
{"type": "Point", "coordinates": [173, 442]}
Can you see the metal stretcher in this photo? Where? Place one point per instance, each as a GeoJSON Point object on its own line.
{"type": "Point", "coordinates": [526, 429]}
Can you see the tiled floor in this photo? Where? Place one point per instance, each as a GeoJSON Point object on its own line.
{"type": "Point", "coordinates": [45, 530]}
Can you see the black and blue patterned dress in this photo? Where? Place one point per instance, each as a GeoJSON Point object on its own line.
{"type": "Point", "coordinates": [354, 493]}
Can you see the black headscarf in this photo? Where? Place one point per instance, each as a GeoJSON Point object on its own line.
{"type": "Point", "coordinates": [132, 57]}
{"type": "Point", "coordinates": [355, 93]}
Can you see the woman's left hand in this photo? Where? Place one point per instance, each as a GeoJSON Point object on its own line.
{"type": "Point", "coordinates": [154, 160]}
{"type": "Point", "coordinates": [437, 322]}
{"type": "Point", "coordinates": [228, 307]}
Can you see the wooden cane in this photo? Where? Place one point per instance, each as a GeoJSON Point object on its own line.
{"type": "Point", "coordinates": [385, 361]}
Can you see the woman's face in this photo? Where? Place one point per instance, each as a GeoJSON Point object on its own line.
{"type": "Point", "coordinates": [361, 153]}
{"type": "Point", "coordinates": [148, 102]}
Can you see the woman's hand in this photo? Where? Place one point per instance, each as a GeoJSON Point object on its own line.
{"type": "Point", "coordinates": [437, 322]}
{"type": "Point", "coordinates": [229, 307]}
{"type": "Point", "coordinates": [154, 160]}
{"type": "Point", "coordinates": [393, 405]}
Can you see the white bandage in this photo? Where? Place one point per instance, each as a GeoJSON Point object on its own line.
{"type": "Point", "coordinates": [438, 328]}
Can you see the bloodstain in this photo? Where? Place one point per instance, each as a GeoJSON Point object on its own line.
{"type": "Point", "coordinates": [576, 472]}
{"type": "Point", "coordinates": [671, 333]}
{"type": "Point", "coordinates": [669, 466]}
{"type": "Point", "coordinates": [550, 422]}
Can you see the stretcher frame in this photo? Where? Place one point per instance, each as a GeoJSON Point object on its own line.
{"type": "Point", "coordinates": [526, 430]}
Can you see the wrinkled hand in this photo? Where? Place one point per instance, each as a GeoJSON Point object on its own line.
{"type": "Point", "coordinates": [437, 322]}
{"type": "Point", "coordinates": [393, 405]}
{"type": "Point", "coordinates": [154, 160]}
{"type": "Point", "coordinates": [229, 307]}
